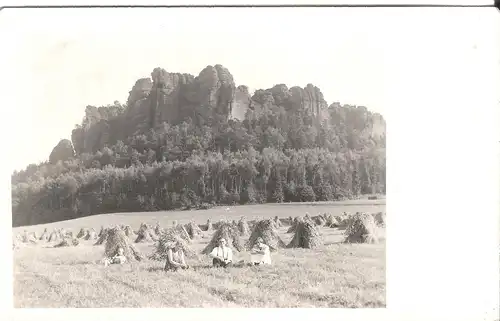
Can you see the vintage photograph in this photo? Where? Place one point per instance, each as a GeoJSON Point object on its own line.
{"type": "Point", "coordinates": [200, 157]}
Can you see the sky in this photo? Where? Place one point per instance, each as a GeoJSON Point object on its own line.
{"type": "Point", "coordinates": [60, 60]}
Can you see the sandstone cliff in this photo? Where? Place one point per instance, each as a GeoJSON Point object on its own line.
{"type": "Point", "coordinates": [241, 103]}
{"type": "Point", "coordinates": [173, 97]}
{"type": "Point", "coordinates": [61, 152]}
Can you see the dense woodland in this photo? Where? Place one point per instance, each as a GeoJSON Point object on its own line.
{"type": "Point", "coordinates": [274, 155]}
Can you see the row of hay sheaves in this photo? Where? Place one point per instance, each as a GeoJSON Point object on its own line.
{"type": "Point", "coordinates": [359, 228]}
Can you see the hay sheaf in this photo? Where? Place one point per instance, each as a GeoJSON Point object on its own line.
{"type": "Point", "coordinates": [277, 222]}
{"type": "Point", "coordinates": [209, 225]}
{"type": "Point", "coordinates": [295, 221]}
{"type": "Point", "coordinates": [170, 239]}
{"type": "Point", "coordinates": [116, 239]}
{"type": "Point", "coordinates": [28, 238]}
{"type": "Point", "coordinates": [145, 234]}
{"type": "Point", "coordinates": [306, 235]}
{"type": "Point", "coordinates": [379, 219]}
{"type": "Point", "coordinates": [181, 231]}
{"type": "Point", "coordinates": [15, 244]}
{"type": "Point", "coordinates": [54, 237]}
{"type": "Point", "coordinates": [104, 236]}
{"type": "Point", "coordinates": [342, 220]}
{"type": "Point", "coordinates": [91, 235]}
{"type": "Point", "coordinates": [243, 226]}
{"type": "Point", "coordinates": [63, 243]}
{"type": "Point", "coordinates": [127, 229]}
{"type": "Point", "coordinates": [331, 221]}
{"type": "Point", "coordinates": [45, 236]}
{"type": "Point", "coordinates": [266, 229]}
{"type": "Point", "coordinates": [83, 232]}
{"type": "Point", "coordinates": [193, 230]}
{"type": "Point", "coordinates": [158, 230]}
{"type": "Point", "coordinates": [230, 233]}
{"type": "Point", "coordinates": [101, 231]}
{"type": "Point", "coordinates": [361, 229]}
{"type": "Point", "coordinates": [319, 220]}
{"type": "Point", "coordinates": [68, 242]}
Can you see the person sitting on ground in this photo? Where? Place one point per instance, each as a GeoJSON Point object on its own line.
{"type": "Point", "coordinates": [118, 258]}
{"type": "Point", "coordinates": [222, 255]}
{"type": "Point", "coordinates": [175, 258]}
{"type": "Point", "coordinates": [260, 253]}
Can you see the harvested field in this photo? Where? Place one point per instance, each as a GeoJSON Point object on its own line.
{"type": "Point", "coordinates": [333, 275]}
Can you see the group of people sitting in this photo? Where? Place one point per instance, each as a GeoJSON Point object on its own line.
{"type": "Point", "coordinates": [222, 256]}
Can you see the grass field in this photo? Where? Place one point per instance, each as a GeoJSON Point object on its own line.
{"type": "Point", "coordinates": [334, 275]}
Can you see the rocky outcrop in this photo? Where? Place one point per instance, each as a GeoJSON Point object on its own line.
{"type": "Point", "coordinates": [62, 151]}
{"type": "Point", "coordinates": [263, 98]}
{"type": "Point", "coordinates": [139, 91]}
{"type": "Point", "coordinates": [92, 138]}
{"type": "Point", "coordinates": [215, 88]}
{"type": "Point", "coordinates": [172, 97]}
{"type": "Point", "coordinates": [166, 99]}
{"type": "Point", "coordinates": [281, 94]}
{"type": "Point", "coordinates": [357, 119]}
{"type": "Point", "coordinates": [100, 126]}
{"type": "Point", "coordinates": [309, 98]}
{"type": "Point", "coordinates": [241, 103]}
{"type": "Point", "coordinates": [294, 99]}
{"type": "Point", "coordinates": [378, 126]}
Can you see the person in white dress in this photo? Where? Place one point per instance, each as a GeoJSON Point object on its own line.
{"type": "Point", "coordinates": [260, 253]}
{"type": "Point", "coordinates": [222, 255]}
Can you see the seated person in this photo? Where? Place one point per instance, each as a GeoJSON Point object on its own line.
{"type": "Point", "coordinates": [222, 255]}
{"type": "Point", "coordinates": [260, 253]}
{"type": "Point", "coordinates": [118, 258]}
{"type": "Point", "coordinates": [175, 259]}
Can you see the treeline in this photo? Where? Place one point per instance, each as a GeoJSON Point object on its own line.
{"type": "Point", "coordinates": [242, 177]}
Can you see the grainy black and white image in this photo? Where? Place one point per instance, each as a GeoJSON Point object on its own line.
{"type": "Point", "coordinates": [199, 157]}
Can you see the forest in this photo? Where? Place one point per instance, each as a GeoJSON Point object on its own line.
{"type": "Point", "coordinates": [184, 142]}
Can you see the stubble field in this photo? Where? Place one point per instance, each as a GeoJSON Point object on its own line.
{"type": "Point", "coordinates": [335, 275]}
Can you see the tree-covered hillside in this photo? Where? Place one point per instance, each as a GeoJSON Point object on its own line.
{"type": "Point", "coordinates": [182, 141]}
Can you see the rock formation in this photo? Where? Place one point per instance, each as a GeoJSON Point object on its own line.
{"type": "Point", "coordinates": [141, 90]}
{"type": "Point", "coordinates": [166, 99]}
{"type": "Point", "coordinates": [215, 88]}
{"type": "Point", "coordinates": [61, 152]}
{"type": "Point", "coordinates": [309, 98]}
{"type": "Point", "coordinates": [173, 97]}
{"type": "Point", "coordinates": [242, 101]}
